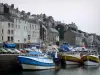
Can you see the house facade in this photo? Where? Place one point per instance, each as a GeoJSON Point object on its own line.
{"type": "Point", "coordinates": [53, 36]}
{"type": "Point", "coordinates": [73, 37]}
{"type": "Point", "coordinates": [17, 27]}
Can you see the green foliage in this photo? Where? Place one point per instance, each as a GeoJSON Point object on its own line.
{"type": "Point", "coordinates": [61, 31]}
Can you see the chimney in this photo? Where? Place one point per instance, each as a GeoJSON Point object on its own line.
{"type": "Point", "coordinates": [1, 4]}
{"type": "Point", "coordinates": [17, 9]}
{"type": "Point", "coordinates": [12, 5]}
{"type": "Point", "coordinates": [23, 12]}
{"type": "Point", "coordinates": [72, 23]}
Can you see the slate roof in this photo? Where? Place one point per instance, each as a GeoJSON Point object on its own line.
{"type": "Point", "coordinates": [77, 33]}
{"type": "Point", "coordinates": [2, 18]}
{"type": "Point", "coordinates": [53, 30]}
{"type": "Point", "coordinates": [1, 5]}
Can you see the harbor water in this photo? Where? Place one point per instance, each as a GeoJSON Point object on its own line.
{"type": "Point", "coordinates": [68, 70]}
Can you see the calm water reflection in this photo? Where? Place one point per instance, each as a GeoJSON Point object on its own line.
{"type": "Point", "coordinates": [68, 70]}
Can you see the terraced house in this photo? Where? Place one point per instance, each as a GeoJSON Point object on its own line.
{"type": "Point", "coordinates": [73, 36]}
{"type": "Point", "coordinates": [18, 27]}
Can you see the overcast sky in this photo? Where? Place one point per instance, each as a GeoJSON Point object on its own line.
{"type": "Point", "coordinates": [85, 13]}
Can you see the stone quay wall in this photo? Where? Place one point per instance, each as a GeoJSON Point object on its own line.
{"type": "Point", "coordinates": [9, 62]}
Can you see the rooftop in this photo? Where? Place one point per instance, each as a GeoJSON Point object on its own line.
{"type": "Point", "coordinates": [77, 33]}
{"type": "Point", "coordinates": [53, 30]}
{"type": "Point", "coordinates": [2, 18]}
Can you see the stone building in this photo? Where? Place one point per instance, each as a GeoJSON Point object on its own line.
{"type": "Point", "coordinates": [43, 33]}
{"type": "Point", "coordinates": [93, 41]}
{"type": "Point", "coordinates": [73, 36]}
{"type": "Point", "coordinates": [53, 36]}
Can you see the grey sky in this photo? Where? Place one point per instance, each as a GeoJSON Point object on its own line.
{"type": "Point", "coordinates": [85, 13]}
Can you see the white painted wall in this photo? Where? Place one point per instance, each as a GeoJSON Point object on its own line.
{"type": "Point", "coordinates": [4, 26]}
{"type": "Point", "coordinates": [20, 31]}
{"type": "Point", "coordinates": [34, 31]}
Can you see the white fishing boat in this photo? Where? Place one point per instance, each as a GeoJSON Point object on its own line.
{"type": "Point", "coordinates": [36, 61]}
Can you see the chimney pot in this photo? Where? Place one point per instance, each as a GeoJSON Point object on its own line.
{"type": "Point", "coordinates": [12, 5]}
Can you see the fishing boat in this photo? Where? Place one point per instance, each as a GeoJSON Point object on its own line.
{"type": "Point", "coordinates": [91, 58]}
{"type": "Point", "coordinates": [36, 61]}
{"type": "Point", "coordinates": [72, 58]}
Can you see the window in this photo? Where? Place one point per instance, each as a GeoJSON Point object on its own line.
{"type": "Point", "coordinates": [8, 31]}
{"type": "Point", "coordinates": [29, 37]}
{"type": "Point", "coordinates": [8, 25]}
{"type": "Point", "coordinates": [25, 22]}
{"type": "Point", "coordinates": [12, 31]}
{"type": "Point", "coordinates": [18, 26]}
{"type": "Point", "coordinates": [36, 33]}
{"type": "Point", "coordinates": [8, 38]}
{"type": "Point", "coordinates": [16, 20]}
{"type": "Point", "coordinates": [30, 26]}
{"type": "Point", "coordinates": [26, 27]}
{"type": "Point", "coordinates": [2, 37]}
{"type": "Point", "coordinates": [12, 38]}
{"type": "Point", "coordinates": [24, 39]}
{"type": "Point", "coordinates": [38, 27]}
{"type": "Point", "coordinates": [12, 25]}
{"type": "Point", "coordinates": [19, 21]}
{"type": "Point", "coordinates": [33, 26]}
{"type": "Point", "coordinates": [2, 31]}
{"type": "Point", "coordinates": [33, 32]}
{"type": "Point", "coordinates": [18, 40]}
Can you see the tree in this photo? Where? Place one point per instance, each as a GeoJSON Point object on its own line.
{"type": "Point", "coordinates": [61, 31]}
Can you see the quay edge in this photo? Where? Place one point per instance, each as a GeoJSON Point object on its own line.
{"type": "Point", "coordinates": [9, 62]}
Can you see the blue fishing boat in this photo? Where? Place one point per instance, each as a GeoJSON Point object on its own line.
{"type": "Point", "coordinates": [36, 61]}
